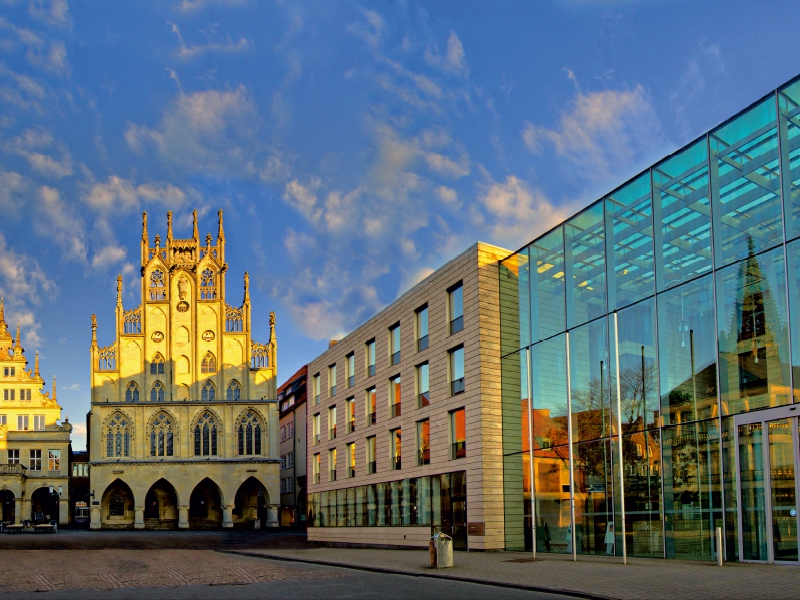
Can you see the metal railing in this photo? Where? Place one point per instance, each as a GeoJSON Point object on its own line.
{"type": "Point", "coordinates": [351, 381]}
{"type": "Point", "coordinates": [370, 370]}
{"type": "Point", "coordinates": [316, 439]}
{"type": "Point", "coordinates": [396, 358]}
{"type": "Point", "coordinates": [372, 467]}
{"type": "Point", "coordinates": [457, 387]}
{"type": "Point", "coordinates": [332, 474]}
{"type": "Point", "coordinates": [395, 410]}
{"type": "Point", "coordinates": [332, 433]}
{"type": "Point", "coordinates": [459, 449]}
{"type": "Point", "coordinates": [422, 343]}
{"type": "Point", "coordinates": [397, 463]}
{"type": "Point", "coordinates": [456, 325]}
{"type": "Point", "coordinates": [424, 399]}
{"type": "Point", "coordinates": [371, 418]}
{"type": "Point", "coordinates": [424, 457]}
{"type": "Point", "coordinates": [351, 472]}
{"type": "Point", "coordinates": [351, 426]}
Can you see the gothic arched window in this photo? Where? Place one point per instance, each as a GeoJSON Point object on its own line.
{"type": "Point", "coordinates": [209, 392]}
{"type": "Point", "coordinates": [157, 287]}
{"type": "Point", "coordinates": [118, 436]}
{"type": "Point", "coordinates": [249, 434]}
{"type": "Point", "coordinates": [132, 392]}
{"type": "Point", "coordinates": [157, 365]}
{"type": "Point", "coordinates": [234, 391]}
{"type": "Point", "coordinates": [205, 435]}
{"type": "Point", "coordinates": [157, 392]}
{"type": "Point", "coordinates": [161, 435]}
{"type": "Point", "coordinates": [209, 364]}
{"type": "Point", "coordinates": [208, 288]}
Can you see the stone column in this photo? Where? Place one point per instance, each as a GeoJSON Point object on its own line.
{"type": "Point", "coordinates": [94, 517]}
{"type": "Point", "coordinates": [138, 517]}
{"type": "Point", "coordinates": [26, 509]}
{"type": "Point", "coordinates": [272, 515]}
{"type": "Point", "coordinates": [183, 517]}
{"type": "Point", "coordinates": [17, 511]}
{"type": "Point", "coordinates": [63, 512]}
{"type": "Point", "coordinates": [227, 515]}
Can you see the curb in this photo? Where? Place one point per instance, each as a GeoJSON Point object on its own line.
{"type": "Point", "coordinates": [387, 571]}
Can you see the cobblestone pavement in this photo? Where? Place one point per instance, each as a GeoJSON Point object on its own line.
{"type": "Point", "coordinates": [600, 577]}
{"type": "Point", "coordinates": [46, 570]}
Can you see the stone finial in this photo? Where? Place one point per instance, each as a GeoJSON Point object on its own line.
{"type": "Point", "coordinates": [94, 330]}
{"type": "Point", "coordinates": [272, 338]}
{"type": "Point", "coordinates": [18, 345]}
{"type": "Point", "coordinates": [208, 239]}
{"type": "Point", "coordinates": [246, 287]}
{"type": "Point", "coordinates": [36, 365]}
{"type": "Point", "coordinates": [145, 238]}
{"type": "Point", "coordinates": [3, 326]}
{"type": "Point", "coordinates": [169, 225]}
{"type": "Point", "coordinates": [221, 232]}
{"type": "Point", "coordinates": [119, 290]}
{"type": "Point", "coordinates": [54, 388]}
{"type": "Point", "coordinates": [195, 232]}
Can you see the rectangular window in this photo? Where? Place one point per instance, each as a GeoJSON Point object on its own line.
{"type": "Point", "coordinates": [394, 397]}
{"type": "Point", "coordinates": [396, 448]}
{"type": "Point", "coordinates": [35, 460]}
{"type": "Point", "coordinates": [9, 371]}
{"type": "Point", "coordinates": [350, 367]}
{"type": "Point", "coordinates": [371, 406]}
{"type": "Point", "coordinates": [351, 459]}
{"type": "Point", "coordinates": [283, 486]}
{"type": "Point", "coordinates": [423, 391]}
{"type": "Point", "coordinates": [315, 467]}
{"type": "Point", "coordinates": [332, 380]}
{"type": "Point", "coordinates": [424, 442]}
{"type": "Point", "coordinates": [315, 428]}
{"type": "Point", "coordinates": [38, 422]}
{"type": "Point", "coordinates": [316, 389]}
{"type": "Point", "coordinates": [22, 423]}
{"type": "Point", "coordinates": [290, 459]}
{"type": "Point", "coordinates": [350, 408]}
{"type": "Point", "coordinates": [457, 370]}
{"type": "Point", "coordinates": [3, 419]}
{"type": "Point", "coordinates": [371, 464]}
{"type": "Point", "coordinates": [458, 434]}
{"type": "Point", "coordinates": [332, 464]}
{"type": "Point", "coordinates": [332, 423]}
{"type": "Point", "coordinates": [24, 394]}
{"type": "Point", "coordinates": [283, 434]}
{"type": "Point", "coordinates": [394, 344]}
{"type": "Point", "coordinates": [9, 395]}
{"type": "Point", "coordinates": [370, 356]}
{"type": "Point", "coordinates": [54, 460]}
{"type": "Point", "coordinates": [290, 430]}
{"type": "Point", "coordinates": [455, 306]}
{"type": "Point", "coordinates": [422, 328]}
{"type": "Point", "coordinates": [13, 457]}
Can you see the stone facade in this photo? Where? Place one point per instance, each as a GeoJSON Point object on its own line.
{"type": "Point", "coordinates": [292, 406]}
{"type": "Point", "coordinates": [184, 422]}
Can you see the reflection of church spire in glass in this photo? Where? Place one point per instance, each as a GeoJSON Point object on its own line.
{"type": "Point", "coordinates": [751, 297]}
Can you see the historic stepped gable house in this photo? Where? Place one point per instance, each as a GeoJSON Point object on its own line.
{"type": "Point", "coordinates": [34, 445]}
{"type": "Point", "coordinates": [184, 421]}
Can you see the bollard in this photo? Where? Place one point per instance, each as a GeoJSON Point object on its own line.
{"type": "Point", "coordinates": [719, 546]}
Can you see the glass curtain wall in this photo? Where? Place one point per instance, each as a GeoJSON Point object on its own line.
{"type": "Point", "coordinates": [638, 328]}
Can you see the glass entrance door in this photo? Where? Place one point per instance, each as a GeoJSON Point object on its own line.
{"type": "Point", "coordinates": [768, 452]}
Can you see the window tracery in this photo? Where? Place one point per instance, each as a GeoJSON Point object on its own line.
{"type": "Point", "coordinates": [209, 363]}
{"type": "Point", "coordinates": [118, 436]}
{"type": "Point", "coordinates": [209, 392]}
{"type": "Point", "coordinates": [208, 287]}
{"type": "Point", "coordinates": [205, 435]}
{"type": "Point", "coordinates": [259, 355]}
{"type": "Point", "coordinates": [162, 435]}
{"type": "Point", "coordinates": [132, 321]}
{"type": "Point", "coordinates": [234, 319]}
{"type": "Point", "coordinates": [234, 390]}
{"type": "Point", "coordinates": [157, 392]}
{"type": "Point", "coordinates": [132, 392]}
{"type": "Point", "coordinates": [107, 358]}
{"type": "Point", "coordinates": [157, 365]}
{"type": "Point", "coordinates": [157, 287]}
{"type": "Point", "coordinates": [249, 434]}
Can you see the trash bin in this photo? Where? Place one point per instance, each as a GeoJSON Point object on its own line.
{"type": "Point", "coordinates": [441, 551]}
{"type": "Point", "coordinates": [256, 523]}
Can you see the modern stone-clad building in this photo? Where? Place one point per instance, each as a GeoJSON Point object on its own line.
{"type": "Point", "coordinates": [404, 433]}
{"type": "Point", "coordinates": [183, 428]}
{"type": "Point", "coordinates": [34, 442]}
{"type": "Point", "coordinates": [292, 406]}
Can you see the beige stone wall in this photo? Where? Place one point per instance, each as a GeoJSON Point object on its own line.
{"type": "Point", "coordinates": [477, 269]}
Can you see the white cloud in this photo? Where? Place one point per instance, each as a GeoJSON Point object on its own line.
{"type": "Point", "coordinates": [304, 198]}
{"type": "Point", "coordinates": [452, 60]}
{"type": "Point", "coordinates": [31, 144]}
{"type": "Point", "coordinates": [447, 195]}
{"type": "Point", "coordinates": [190, 51]}
{"type": "Point", "coordinates": [21, 278]}
{"type": "Point", "coordinates": [29, 327]}
{"type": "Point", "coordinates": [60, 224]}
{"type": "Point", "coordinates": [193, 5]}
{"type": "Point", "coordinates": [54, 12]}
{"type": "Point", "coordinates": [604, 132]}
{"type": "Point", "coordinates": [446, 166]}
{"type": "Point", "coordinates": [13, 188]}
{"type": "Point", "coordinates": [107, 256]}
{"type": "Point", "coordinates": [78, 435]}
{"type": "Point", "coordinates": [123, 195]}
{"type": "Point", "coordinates": [54, 59]}
{"type": "Point", "coordinates": [369, 29]}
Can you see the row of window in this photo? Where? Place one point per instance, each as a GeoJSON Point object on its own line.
{"type": "Point", "coordinates": [11, 394]}
{"type": "Point", "coordinates": [208, 393]}
{"type": "Point", "coordinates": [423, 396]}
{"type": "Point", "coordinates": [422, 453]}
{"type": "Point", "coordinates": [9, 371]}
{"type": "Point", "coordinates": [455, 315]}
{"type": "Point", "coordinates": [24, 421]}
{"type": "Point", "coordinates": [287, 485]}
{"type": "Point", "coordinates": [287, 431]}
{"type": "Point", "coordinates": [287, 460]}
{"type": "Point", "coordinates": [158, 289]}
{"type": "Point", "coordinates": [35, 459]}
{"type": "Point", "coordinates": [162, 435]}
{"type": "Point", "coordinates": [80, 469]}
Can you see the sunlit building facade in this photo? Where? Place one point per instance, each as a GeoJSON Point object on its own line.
{"type": "Point", "coordinates": [651, 357]}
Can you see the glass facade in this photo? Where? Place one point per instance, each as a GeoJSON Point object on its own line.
{"type": "Point", "coordinates": [651, 357]}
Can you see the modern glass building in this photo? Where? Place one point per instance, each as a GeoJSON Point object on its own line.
{"type": "Point", "coordinates": [651, 357]}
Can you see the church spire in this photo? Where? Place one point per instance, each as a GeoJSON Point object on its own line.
{"type": "Point", "coordinates": [145, 238]}
{"type": "Point", "coordinates": [169, 225]}
{"type": "Point", "coordinates": [195, 232]}
{"type": "Point", "coordinates": [221, 232]}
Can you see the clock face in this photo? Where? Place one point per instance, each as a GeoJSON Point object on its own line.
{"type": "Point", "coordinates": [208, 335]}
{"type": "Point", "coordinates": [157, 336]}
{"type": "Point", "coordinates": [182, 306]}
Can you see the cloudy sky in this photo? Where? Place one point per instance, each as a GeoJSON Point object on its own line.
{"type": "Point", "coordinates": [354, 147]}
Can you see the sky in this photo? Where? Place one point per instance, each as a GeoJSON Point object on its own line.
{"type": "Point", "coordinates": [355, 147]}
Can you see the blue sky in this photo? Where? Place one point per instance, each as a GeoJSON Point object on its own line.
{"type": "Point", "coordinates": [355, 147]}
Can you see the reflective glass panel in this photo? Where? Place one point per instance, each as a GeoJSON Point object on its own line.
{"type": "Point", "coordinates": [692, 489]}
{"type": "Point", "coordinates": [589, 381]}
{"type": "Point", "coordinates": [682, 214]}
{"type": "Point", "coordinates": [782, 489]}
{"type": "Point", "coordinates": [549, 384]}
{"type": "Point", "coordinates": [729, 477]}
{"type": "Point", "coordinates": [753, 337]}
{"type": "Point", "coordinates": [585, 265]}
{"type": "Point", "coordinates": [515, 324]}
{"type": "Point", "coordinates": [789, 106]}
{"type": "Point", "coordinates": [687, 352]}
{"type": "Point", "coordinates": [745, 184]}
{"type": "Point", "coordinates": [754, 510]}
{"type": "Point", "coordinates": [642, 469]}
{"type": "Point", "coordinates": [551, 475]}
{"type": "Point", "coordinates": [793, 260]}
{"type": "Point", "coordinates": [547, 285]}
{"type": "Point", "coordinates": [594, 504]}
{"type": "Point", "coordinates": [630, 256]}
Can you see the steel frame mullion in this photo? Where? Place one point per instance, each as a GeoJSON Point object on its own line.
{"type": "Point", "coordinates": [571, 458]}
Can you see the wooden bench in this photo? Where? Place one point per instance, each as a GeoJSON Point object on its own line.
{"type": "Point", "coordinates": [14, 528]}
{"type": "Point", "coordinates": [44, 528]}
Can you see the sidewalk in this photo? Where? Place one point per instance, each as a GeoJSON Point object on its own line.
{"type": "Point", "coordinates": [591, 577]}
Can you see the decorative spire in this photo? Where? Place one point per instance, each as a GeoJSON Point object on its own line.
{"type": "Point", "coordinates": [94, 330]}
{"type": "Point", "coordinates": [195, 233]}
{"type": "Point", "coordinates": [208, 239]}
{"type": "Point", "coordinates": [17, 346]}
{"type": "Point", "coordinates": [119, 290]}
{"type": "Point", "coordinates": [54, 386]}
{"type": "Point", "coordinates": [36, 366]}
{"type": "Point", "coordinates": [3, 326]}
{"type": "Point", "coordinates": [169, 225]}
{"type": "Point", "coordinates": [158, 240]}
{"type": "Point", "coordinates": [145, 238]}
{"type": "Point", "coordinates": [272, 339]}
{"type": "Point", "coordinates": [221, 232]}
{"type": "Point", "coordinates": [246, 288]}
